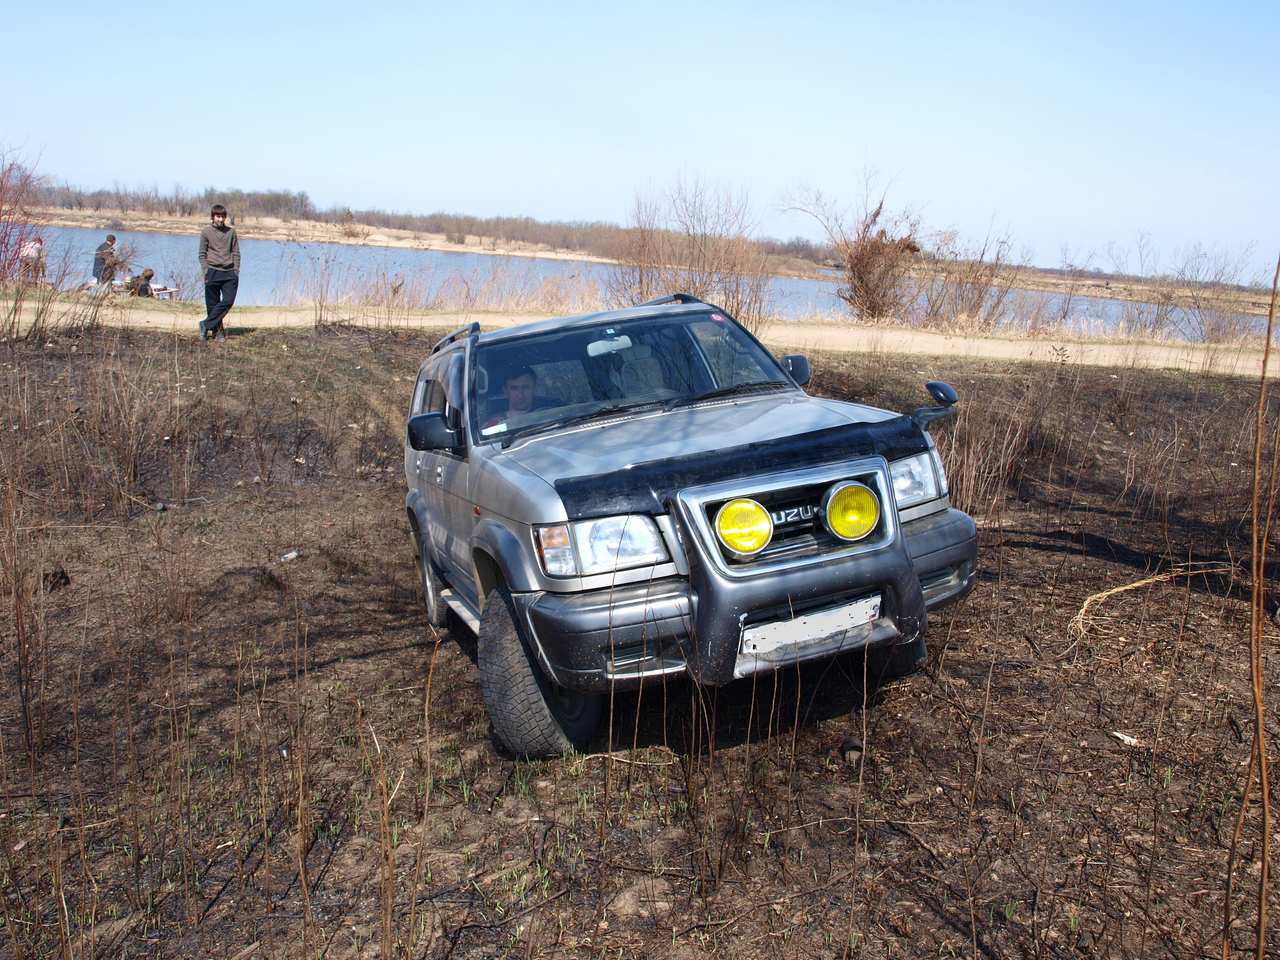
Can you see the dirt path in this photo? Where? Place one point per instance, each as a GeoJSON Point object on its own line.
{"type": "Point", "coordinates": [805, 336]}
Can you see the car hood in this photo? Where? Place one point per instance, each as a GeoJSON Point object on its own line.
{"type": "Point", "coordinates": [608, 446]}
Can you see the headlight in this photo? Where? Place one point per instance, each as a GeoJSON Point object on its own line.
{"type": "Point", "coordinates": [850, 510]}
{"type": "Point", "coordinates": [914, 480]}
{"type": "Point", "coordinates": [744, 527]}
{"type": "Point", "coordinates": [600, 546]}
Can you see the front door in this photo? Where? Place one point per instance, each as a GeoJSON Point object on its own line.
{"type": "Point", "coordinates": [453, 473]}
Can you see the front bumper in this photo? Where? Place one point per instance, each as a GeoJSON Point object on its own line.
{"type": "Point", "coordinates": [618, 638]}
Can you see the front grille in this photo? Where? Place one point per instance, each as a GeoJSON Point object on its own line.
{"type": "Point", "coordinates": [798, 528]}
{"type": "Point", "coordinates": [798, 540]}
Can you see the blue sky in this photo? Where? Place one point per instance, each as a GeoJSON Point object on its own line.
{"type": "Point", "coordinates": [1073, 127]}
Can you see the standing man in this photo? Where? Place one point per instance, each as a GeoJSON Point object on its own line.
{"type": "Point", "coordinates": [104, 260]}
{"type": "Point", "coordinates": [220, 266]}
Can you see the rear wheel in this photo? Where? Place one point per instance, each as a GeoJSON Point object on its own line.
{"type": "Point", "coordinates": [432, 587]}
{"type": "Point", "coordinates": [532, 716]}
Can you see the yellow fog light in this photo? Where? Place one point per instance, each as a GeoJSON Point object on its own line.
{"type": "Point", "coordinates": [744, 527]}
{"type": "Point", "coordinates": [851, 510]}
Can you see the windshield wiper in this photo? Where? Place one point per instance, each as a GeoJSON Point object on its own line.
{"type": "Point", "coordinates": [737, 389]}
{"type": "Point", "coordinates": [575, 419]}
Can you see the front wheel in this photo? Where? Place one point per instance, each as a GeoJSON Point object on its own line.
{"type": "Point", "coordinates": [532, 716]}
{"type": "Point", "coordinates": [898, 660]}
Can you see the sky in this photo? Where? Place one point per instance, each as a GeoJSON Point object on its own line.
{"type": "Point", "coordinates": [1066, 129]}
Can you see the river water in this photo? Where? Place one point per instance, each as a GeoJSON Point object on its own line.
{"type": "Point", "coordinates": [278, 273]}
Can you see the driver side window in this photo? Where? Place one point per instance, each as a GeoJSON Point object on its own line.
{"type": "Point", "coordinates": [454, 388]}
{"type": "Point", "coordinates": [419, 403]}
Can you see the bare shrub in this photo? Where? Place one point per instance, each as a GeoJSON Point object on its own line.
{"type": "Point", "coordinates": [350, 228]}
{"type": "Point", "coordinates": [1207, 280]}
{"type": "Point", "coordinates": [876, 250]}
{"type": "Point", "coordinates": [964, 287]}
{"type": "Point", "coordinates": [1154, 315]}
{"type": "Point", "coordinates": [18, 224]}
{"type": "Point", "coordinates": [392, 297]}
{"type": "Point", "coordinates": [695, 239]}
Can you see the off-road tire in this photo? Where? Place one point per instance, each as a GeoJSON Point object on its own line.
{"type": "Point", "coordinates": [432, 586]}
{"type": "Point", "coordinates": [894, 662]}
{"type": "Point", "coordinates": [532, 716]}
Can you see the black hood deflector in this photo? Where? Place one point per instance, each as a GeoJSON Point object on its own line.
{"type": "Point", "coordinates": [647, 486]}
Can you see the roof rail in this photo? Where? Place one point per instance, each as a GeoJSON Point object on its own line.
{"type": "Point", "coordinates": [672, 298]}
{"type": "Point", "coordinates": [471, 328]}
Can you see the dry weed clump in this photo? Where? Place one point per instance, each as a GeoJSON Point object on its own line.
{"type": "Point", "coordinates": [962, 287]}
{"type": "Point", "coordinates": [876, 249]}
{"type": "Point", "coordinates": [390, 301]}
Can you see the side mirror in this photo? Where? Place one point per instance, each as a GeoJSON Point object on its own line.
{"type": "Point", "coordinates": [797, 367]}
{"type": "Point", "coordinates": [429, 431]}
{"type": "Point", "coordinates": [945, 396]}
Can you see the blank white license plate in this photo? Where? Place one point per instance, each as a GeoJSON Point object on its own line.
{"type": "Point", "coordinates": [822, 625]}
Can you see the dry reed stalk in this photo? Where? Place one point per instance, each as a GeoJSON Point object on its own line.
{"type": "Point", "coordinates": [1258, 751]}
{"type": "Point", "coordinates": [419, 859]}
{"type": "Point", "coordinates": [1083, 621]}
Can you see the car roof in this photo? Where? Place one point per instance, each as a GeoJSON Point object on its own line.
{"type": "Point", "coordinates": [592, 319]}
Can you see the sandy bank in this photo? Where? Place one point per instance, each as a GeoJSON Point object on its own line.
{"type": "Point", "coordinates": [780, 336]}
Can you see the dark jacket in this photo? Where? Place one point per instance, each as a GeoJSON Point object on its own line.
{"type": "Point", "coordinates": [104, 262]}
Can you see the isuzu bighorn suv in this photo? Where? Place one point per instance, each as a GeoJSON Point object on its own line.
{"type": "Point", "coordinates": [619, 497]}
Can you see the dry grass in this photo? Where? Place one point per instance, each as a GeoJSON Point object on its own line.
{"type": "Point", "coordinates": [205, 747]}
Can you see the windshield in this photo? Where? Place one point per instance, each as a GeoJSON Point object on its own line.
{"type": "Point", "coordinates": [553, 379]}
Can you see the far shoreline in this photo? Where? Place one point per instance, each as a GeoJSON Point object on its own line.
{"type": "Point", "coordinates": [302, 231]}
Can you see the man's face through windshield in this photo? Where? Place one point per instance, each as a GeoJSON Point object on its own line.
{"type": "Point", "coordinates": [519, 392]}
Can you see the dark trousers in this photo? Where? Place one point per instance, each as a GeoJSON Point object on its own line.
{"type": "Point", "coordinates": [219, 296]}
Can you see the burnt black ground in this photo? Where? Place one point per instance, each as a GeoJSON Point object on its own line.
{"type": "Point", "coordinates": [207, 747]}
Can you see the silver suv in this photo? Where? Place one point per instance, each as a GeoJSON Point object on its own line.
{"type": "Point", "coordinates": [618, 497]}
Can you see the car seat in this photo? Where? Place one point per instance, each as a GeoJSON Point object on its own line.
{"type": "Point", "coordinates": [641, 372]}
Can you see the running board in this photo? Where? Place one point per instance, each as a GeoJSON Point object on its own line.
{"type": "Point", "coordinates": [462, 610]}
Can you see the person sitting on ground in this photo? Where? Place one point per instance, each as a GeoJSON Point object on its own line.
{"type": "Point", "coordinates": [517, 389]}
{"type": "Point", "coordinates": [105, 260]}
{"type": "Point", "coordinates": [140, 286]}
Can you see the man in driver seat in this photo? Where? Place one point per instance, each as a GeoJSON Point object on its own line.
{"type": "Point", "coordinates": [518, 390]}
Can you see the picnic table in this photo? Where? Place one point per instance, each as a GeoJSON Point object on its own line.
{"type": "Point", "coordinates": [157, 292]}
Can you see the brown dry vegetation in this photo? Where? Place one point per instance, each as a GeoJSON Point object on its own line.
{"type": "Point", "coordinates": [208, 749]}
